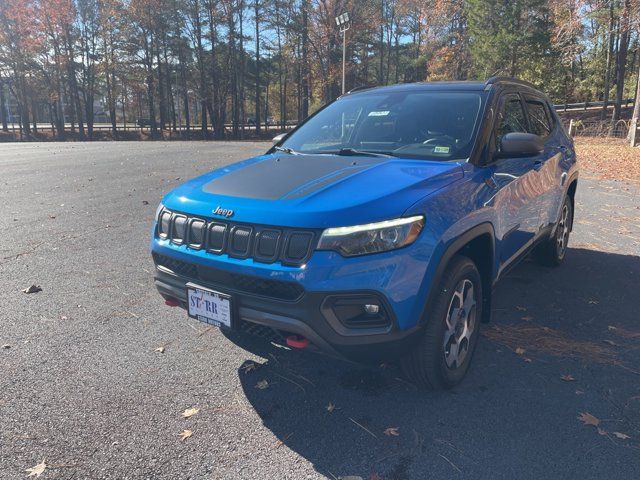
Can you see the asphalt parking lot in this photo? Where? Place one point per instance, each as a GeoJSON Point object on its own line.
{"type": "Point", "coordinates": [84, 386]}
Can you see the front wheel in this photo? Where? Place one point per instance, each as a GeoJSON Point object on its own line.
{"type": "Point", "coordinates": [442, 357]}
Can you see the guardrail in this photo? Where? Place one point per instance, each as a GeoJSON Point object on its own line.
{"type": "Point", "coordinates": [586, 105]}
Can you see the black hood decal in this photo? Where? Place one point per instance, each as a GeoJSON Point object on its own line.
{"type": "Point", "coordinates": [290, 176]}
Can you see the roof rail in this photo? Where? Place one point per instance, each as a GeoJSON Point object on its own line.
{"type": "Point", "coordinates": [499, 79]}
{"type": "Point", "coordinates": [362, 87]}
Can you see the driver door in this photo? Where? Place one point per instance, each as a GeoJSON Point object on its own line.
{"type": "Point", "coordinates": [516, 198]}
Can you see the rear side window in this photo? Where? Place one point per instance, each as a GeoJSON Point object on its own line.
{"type": "Point", "coordinates": [511, 117]}
{"type": "Point", "coordinates": [538, 118]}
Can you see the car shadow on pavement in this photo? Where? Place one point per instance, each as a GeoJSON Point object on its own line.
{"type": "Point", "coordinates": [513, 416]}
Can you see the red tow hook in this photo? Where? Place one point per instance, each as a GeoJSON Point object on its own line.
{"type": "Point", "coordinates": [172, 302]}
{"type": "Point", "coordinates": [297, 341]}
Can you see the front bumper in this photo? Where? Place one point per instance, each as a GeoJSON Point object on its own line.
{"type": "Point", "coordinates": [276, 309]}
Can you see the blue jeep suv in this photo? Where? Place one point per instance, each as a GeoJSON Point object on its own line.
{"type": "Point", "coordinates": [378, 227]}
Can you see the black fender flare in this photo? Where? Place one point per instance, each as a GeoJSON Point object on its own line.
{"type": "Point", "coordinates": [485, 228]}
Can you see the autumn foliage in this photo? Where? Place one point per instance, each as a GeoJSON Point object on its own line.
{"type": "Point", "coordinates": [217, 65]}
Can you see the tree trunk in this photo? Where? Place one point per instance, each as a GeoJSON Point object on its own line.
{"type": "Point", "coordinates": [607, 72]}
{"type": "Point", "coordinates": [148, 55]}
{"type": "Point", "coordinates": [241, 94]}
{"type": "Point", "coordinates": [34, 116]}
{"type": "Point", "coordinates": [233, 73]}
{"type": "Point", "coordinates": [3, 108]}
{"type": "Point", "coordinates": [162, 99]}
{"type": "Point", "coordinates": [217, 119]}
{"type": "Point", "coordinates": [185, 94]}
{"type": "Point", "coordinates": [621, 61]}
{"type": "Point", "coordinates": [381, 46]}
{"type": "Point", "coordinates": [306, 88]}
{"type": "Point", "coordinates": [635, 117]}
{"type": "Point", "coordinates": [256, 118]}
{"type": "Point", "coordinates": [73, 84]}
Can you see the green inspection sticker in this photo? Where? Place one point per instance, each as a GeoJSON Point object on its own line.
{"type": "Point", "coordinates": [441, 149]}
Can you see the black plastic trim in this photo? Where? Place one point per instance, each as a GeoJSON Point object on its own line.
{"type": "Point", "coordinates": [234, 253]}
{"type": "Point", "coordinates": [327, 309]}
{"type": "Point", "coordinates": [196, 246]}
{"type": "Point", "coordinates": [225, 236]}
{"type": "Point", "coordinates": [286, 260]}
{"type": "Point", "coordinates": [456, 245]}
{"type": "Point", "coordinates": [174, 217]}
{"type": "Point", "coordinates": [256, 245]}
{"type": "Point", "coordinates": [161, 235]}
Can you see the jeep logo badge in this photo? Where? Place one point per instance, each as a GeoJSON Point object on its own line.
{"type": "Point", "coordinates": [223, 212]}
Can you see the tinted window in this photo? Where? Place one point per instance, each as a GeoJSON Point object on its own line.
{"type": "Point", "coordinates": [511, 118]}
{"type": "Point", "coordinates": [439, 125]}
{"type": "Point", "coordinates": [538, 118]}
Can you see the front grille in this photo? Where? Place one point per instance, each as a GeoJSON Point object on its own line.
{"type": "Point", "coordinates": [240, 241]}
{"type": "Point", "coordinates": [261, 243]}
{"type": "Point", "coordinates": [262, 331]}
{"type": "Point", "coordinates": [176, 266]}
{"type": "Point", "coordinates": [288, 291]}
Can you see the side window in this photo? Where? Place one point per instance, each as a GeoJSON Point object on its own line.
{"type": "Point", "coordinates": [538, 118]}
{"type": "Point", "coordinates": [511, 117]}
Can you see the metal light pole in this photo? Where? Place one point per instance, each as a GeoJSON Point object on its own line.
{"type": "Point", "coordinates": [343, 23]}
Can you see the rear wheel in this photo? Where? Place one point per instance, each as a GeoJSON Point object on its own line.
{"type": "Point", "coordinates": [553, 250]}
{"type": "Point", "coordinates": [442, 357]}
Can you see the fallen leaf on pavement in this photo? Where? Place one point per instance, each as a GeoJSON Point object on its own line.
{"type": "Point", "coordinates": [189, 412]}
{"type": "Point", "coordinates": [331, 407]}
{"type": "Point", "coordinates": [279, 443]}
{"type": "Point", "coordinates": [528, 360]}
{"type": "Point", "coordinates": [6, 346]}
{"type": "Point", "coordinates": [144, 202]}
{"type": "Point", "coordinates": [392, 432]}
{"type": "Point", "coordinates": [611, 342]}
{"type": "Point", "coordinates": [528, 318]}
{"type": "Point", "coordinates": [589, 419]}
{"type": "Point", "coordinates": [568, 378]}
{"type": "Point", "coordinates": [611, 327]}
{"type": "Point", "coordinates": [622, 436]}
{"type": "Point", "coordinates": [521, 309]}
{"type": "Point", "coordinates": [579, 392]}
{"type": "Point", "coordinates": [32, 289]}
{"type": "Point", "coordinates": [262, 384]}
{"type": "Point", "coordinates": [185, 434]}
{"type": "Point", "coordinates": [520, 351]}
{"type": "Point", "coordinates": [602, 431]}
{"type": "Point", "coordinates": [37, 470]}
{"type": "Point", "coordinates": [159, 349]}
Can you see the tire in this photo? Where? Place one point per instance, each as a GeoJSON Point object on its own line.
{"type": "Point", "coordinates": [552, 251]}
{"type": "Point", "coordinates": [432, 363]}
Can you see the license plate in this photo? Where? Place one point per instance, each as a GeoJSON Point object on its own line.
{"type": "Point", "coordinates": [209, 306]}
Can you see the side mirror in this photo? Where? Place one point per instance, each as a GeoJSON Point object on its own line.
{"type": "Point", "coordinates": [278, 138]}
{"type": "Point", "coordinates": [518, 144]}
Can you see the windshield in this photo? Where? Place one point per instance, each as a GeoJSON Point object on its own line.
{"type": "Point", "coordinates": [424, 125]}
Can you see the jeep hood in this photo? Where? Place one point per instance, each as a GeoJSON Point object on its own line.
{"type": "Point", "coordinates": [315, 191]}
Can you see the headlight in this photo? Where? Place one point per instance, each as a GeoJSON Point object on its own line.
{"type": "Point", "coordinates": [373, 237]}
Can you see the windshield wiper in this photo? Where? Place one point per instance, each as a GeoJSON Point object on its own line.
{"type": "Point", "coordinates": [288, 150]}
{"type": "Point", "coordinates": [352, 152]}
